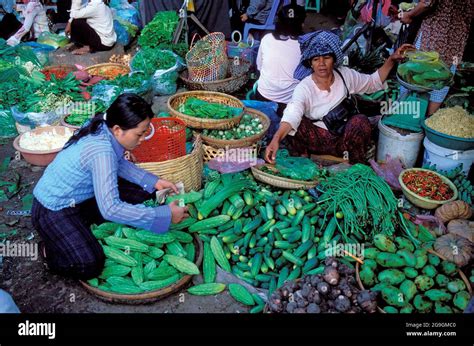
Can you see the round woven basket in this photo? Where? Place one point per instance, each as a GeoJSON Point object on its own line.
{"type": "Point", "coordinates": [186, 169]}
{"type": "Point", "coordinates": [103, 70]}
{"type": "Point", "coordinates": [215, 97]}
{"type": "Point", "coordinates": [461, 274]}
{"type": "Point", "coordinates": [151, 296]}
{"type": "Point", "coordinates": [238, 76]}
{"type": "Point", "coordinates": [244, 142]}
{"type": "Point", "coordinates": [281, 182]}
{"type": "Point", "coordinates": [210, 153]}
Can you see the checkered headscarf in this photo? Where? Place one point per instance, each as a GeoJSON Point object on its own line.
{"type": "Point", "coordinates": [317, 43]}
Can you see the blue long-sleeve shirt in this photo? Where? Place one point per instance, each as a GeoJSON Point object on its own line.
{"type": "Point", "coordinates": [91, 168]}
{"type": "Point", "coordinates": [259, 10]}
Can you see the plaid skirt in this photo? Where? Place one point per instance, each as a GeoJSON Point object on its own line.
{"type": "Point", "coordinates": [71, 248]}
{"type": "Point", "coordinates": [353, 144]}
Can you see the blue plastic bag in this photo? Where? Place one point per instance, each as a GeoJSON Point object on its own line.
{"type": "Point", "coordinates": [123, 37]}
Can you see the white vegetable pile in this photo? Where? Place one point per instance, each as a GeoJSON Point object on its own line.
{"type": "Point", "coordinates": [247, 127]}
{"type": "Point", "coordinates": [48, 140]}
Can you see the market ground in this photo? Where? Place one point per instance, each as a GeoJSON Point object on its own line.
{"type": "Point", "coordinates": [35, 290]}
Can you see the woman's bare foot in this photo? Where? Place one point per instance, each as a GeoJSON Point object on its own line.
{"type": "Point", "coordinates": [82, 51]}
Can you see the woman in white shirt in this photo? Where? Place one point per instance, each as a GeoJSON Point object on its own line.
{"type": "Point", "coordinates": [278, 56]}
{"type": "Point", "coordinates": [35, 21]}
{"type": "Point", "coordinates": [322, 90]}
{"type": "Point", "coordinates": [91, 27]}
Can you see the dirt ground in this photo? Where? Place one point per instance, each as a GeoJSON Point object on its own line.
{"type": "Point", "coordinates": [36, 290]}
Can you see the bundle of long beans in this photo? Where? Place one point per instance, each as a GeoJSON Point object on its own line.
{"type": "Point", "coordinates": [365, 200]}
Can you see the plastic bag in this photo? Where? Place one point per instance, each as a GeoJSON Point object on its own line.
{"type": "Point", "coordinates": [389, 171]}
{"type": "Point", "coordinates": [298, 168]}
{"type": "Point", "coordinates": [33, 120]}
{"type": "Point", "coordinates": [7, 125]}
{"type": "Point", "coordinates": [56, 41]}
{"type": "Point", "coordinates": [123, 37]}
{"type": "Point", "coordinates": [122, 9]}
{"type": "Point", "coordinates": [106, 93]}
{"type": "Point", "coordinates": [164, 82]}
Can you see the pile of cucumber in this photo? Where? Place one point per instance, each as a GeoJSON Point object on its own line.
{"type": "Point", "coordinates": [412, 280]}
{"type": "Point", "coordinates": [139, 261]}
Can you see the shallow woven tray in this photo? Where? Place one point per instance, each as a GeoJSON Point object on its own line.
{"type": "Point", "coordinates": [463, 277]}
{"type": "Point", "coordinates": [238, 76]}
{"type": "Point", "coordinates": [215, 124]}
{"type": "Point", "coordinates": [150, 296]}
{"type": "Point", "coordinates": [281, 182]}
{"type": "Point", "coordinates": [244, 142]}
{"type": "Point", "coordinates": [186, 169]}
{"type": "Point", "coordinates": [99, 69]}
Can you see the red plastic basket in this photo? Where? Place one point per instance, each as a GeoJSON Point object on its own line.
{"type": "Point", "coordinates": [166, 141]}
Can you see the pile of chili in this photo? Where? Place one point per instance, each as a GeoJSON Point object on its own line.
{"type": "Point", "coordinates": [427, 185]}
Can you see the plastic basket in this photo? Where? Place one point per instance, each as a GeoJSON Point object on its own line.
{"type": "Point", "coordinates": [167, 141]}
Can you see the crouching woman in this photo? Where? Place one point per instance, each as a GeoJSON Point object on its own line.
{"type": "Point", "coordinates": [91, 182]}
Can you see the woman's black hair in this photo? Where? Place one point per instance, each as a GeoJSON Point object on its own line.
{"type": "Point", "coordinates": [289, 23]}
{"type": "Point", "coordinates": [127, 111]}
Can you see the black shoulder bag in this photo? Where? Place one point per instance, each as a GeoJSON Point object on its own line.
{"type": "Point", "coordinates": [337, 117]}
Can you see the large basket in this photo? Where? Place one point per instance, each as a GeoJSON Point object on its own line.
{"type": "Point", "coordinates": [207, 59]}
{"type": "Point", "coordinates": [187, 169]}
{"type": "Point", "coordinates": [166, 142]}
{"type": "Point", "coordinates": [108, 70]}
{"type": "Point", "coordinates": [210, 153]}
{"type": "Point", "coordinates": [198, 123]}
{"type": "Point", "coordinates": [244, 142]}
{"type": "Point", "coordinates": [152, 296]}
{"type": "Point", "coordinates": [281, 182]}
{"type": "Point", "coordinates": [237, 77]}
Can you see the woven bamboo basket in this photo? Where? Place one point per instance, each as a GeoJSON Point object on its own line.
{"type": "Point", "coordinates": [244, 142]}
{"type": "Point", "coordinates": [219, 124]}
{"type": "Point", "coordinates": [187, 169]}
{"type": "Point", "coordinates": [461, 274]}
{"type": "Point", "coordinates": [152, 296]}
{"type": "Point", "coordinates": [281, 182]}
{"type": "Point", "coordinates": [237, 77]}
{"type": "Point", "coordinates": [102, 70]}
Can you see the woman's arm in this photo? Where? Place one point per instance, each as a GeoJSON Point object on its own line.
{"type": "Point", "coordinates": [422, 7]}
{"type": "Point", "coordinates": [399, 55]}
{"type": "Point", "coordinates": [136, 175]}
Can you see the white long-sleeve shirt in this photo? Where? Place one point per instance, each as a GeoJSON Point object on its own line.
{"type": "Point", "coordinates": [35, 17]}
{"type": "Point", "coordinates": [100, 18]}
{"type": "Point", "coordinates": [310, 101]}
{"type": "Point", "coordinates": [277, 61]}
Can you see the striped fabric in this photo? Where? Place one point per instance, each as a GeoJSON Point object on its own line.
{"type": "Point", "coordinates": [90, 168]}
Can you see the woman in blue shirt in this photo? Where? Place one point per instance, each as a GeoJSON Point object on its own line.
{"type": "Point", "coordinates": [90, 181]}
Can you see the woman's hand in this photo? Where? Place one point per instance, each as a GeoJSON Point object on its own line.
{"type": "Point", "coordinates": [271, 150]}
{"type": "Point", "coordinates": [178, 213]}
{"type": "Point", "coordinates": [400, 52]}
{"type": "Point", "coordinates": [165, 184]}
{"type": "Point", "coordinates": [244, 17]}
{"type": "Point", "coordinates": [406, 18]}
{"type": "Point", "coordinates": [67, 31]}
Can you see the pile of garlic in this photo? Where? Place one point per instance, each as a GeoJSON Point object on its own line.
{"type": "Point", "coordinates": [48, 140]}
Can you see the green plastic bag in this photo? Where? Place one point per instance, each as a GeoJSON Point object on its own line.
{"type": "Point", "coordinates": [297, 168]}
{"type": "Point", "coordinates": [7, 125]}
